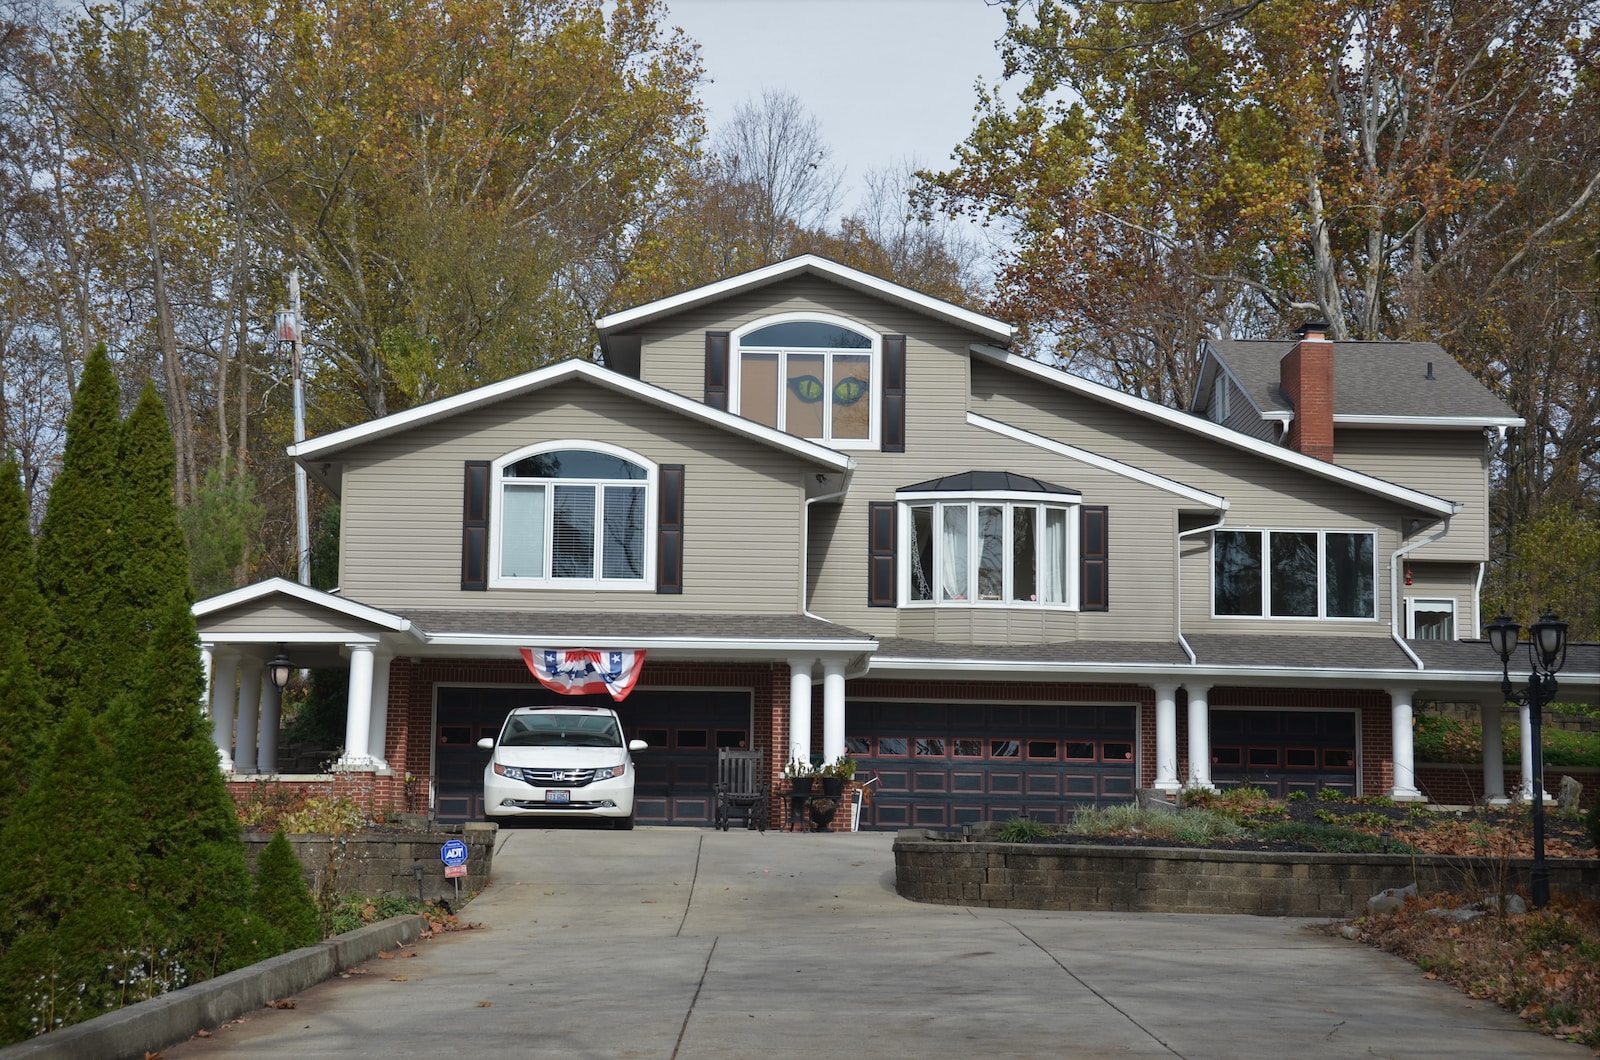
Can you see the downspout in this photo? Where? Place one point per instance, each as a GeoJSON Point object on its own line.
{"type": "Point", "coordinates": [1394, 591]}
{"type": "Point", "coordinates": [1177, 564]}
{"type": "Point", "coordinates": [1477, 601]}
{"type": "Point", "coordinates": [805, 541]}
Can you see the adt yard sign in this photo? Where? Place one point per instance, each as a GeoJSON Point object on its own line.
{"type": "Point", "coordinates": [454, 856]}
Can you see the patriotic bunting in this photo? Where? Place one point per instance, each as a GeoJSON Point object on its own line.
{"type": "Point", "coordinates": [584, 671]}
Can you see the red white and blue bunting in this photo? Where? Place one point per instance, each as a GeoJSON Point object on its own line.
{"type": "Point", "coordinates": [584, 671]}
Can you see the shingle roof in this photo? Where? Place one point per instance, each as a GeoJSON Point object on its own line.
{"type": "Point", "coordinates": [1369, 379]}
{"type": "Point", "coordinates": [986, 482]}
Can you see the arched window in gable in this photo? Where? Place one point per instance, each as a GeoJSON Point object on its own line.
{"type": "Point", "coordinates": [810, 375]}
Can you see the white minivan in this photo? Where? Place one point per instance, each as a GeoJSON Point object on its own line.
{"type": "Point", "coordinates": [560, 762]}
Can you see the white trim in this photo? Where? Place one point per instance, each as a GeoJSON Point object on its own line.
{"type": "Point", "coordinates": [1104, 463]}
{"type": "Point", "coordinates": [1195, 424]}
{"type": "Point", "coordinates": [1441, 422]}
{"type": "Point", "coordinates": [550, 376]}
{"type": "Point", "coordinates": [775, 646]}
{"type": "Point", "coordinates": [809, 263]}
{"type": "Point", "coordinates": [222, 640]}
{"type": "Point", "coordinates": [651, 484]}
{"type": "Point", "coordinates": [874, 355]}
{"type": "Point", "coordinates": [316, 597]}
{"type": "Point", "coordinates": [1438, 603]}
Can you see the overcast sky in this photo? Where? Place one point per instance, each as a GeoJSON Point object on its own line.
{"type": "Point", "coordinates": [890, 80]}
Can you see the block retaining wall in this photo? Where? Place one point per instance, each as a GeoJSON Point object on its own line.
{"type": "Point", "coordinates": [374, 863]}
{"type": "Point", "coordinates": [940, 869]}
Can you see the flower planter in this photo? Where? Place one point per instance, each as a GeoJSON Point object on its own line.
{"type": "Point", "coordinates": [802, 785]}
{"type": "Point", "coordinates": [833, 787]}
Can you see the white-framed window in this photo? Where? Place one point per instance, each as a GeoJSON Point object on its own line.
{"type": "Point", "coordinates": [1294, 574]}
{"type": "Point", "coordinates": [573, 515]}
{"type": "Point", "coordinates": [811, 375]}
{"type": "Point", "coordinates": [989, 552]}
{"type": "Point", "coordinates": [1219, 398]}
{"type": "Point", "coordinates": [1430, 618]}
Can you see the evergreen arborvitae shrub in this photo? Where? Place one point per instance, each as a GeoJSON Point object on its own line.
{"type": "Point", "coordinates": [154, 552]}
{"type": "Point", "coordinates": [22, 608]}
{"type": "Point", "coordinates": [282, 897]}
{"type": "Point", "coordinates": [78, 563]}
{"type": "Point", "coordinates": [191, 850]}
{"type": "Point", "coordinates": [71, 924]}
{"type": "Point", "coordinates": [22, 720]}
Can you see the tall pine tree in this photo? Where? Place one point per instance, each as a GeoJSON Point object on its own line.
{"type": "Point", "coordinates": [25, 635]}
{"type": "Point", "coordinates": [78, 556]}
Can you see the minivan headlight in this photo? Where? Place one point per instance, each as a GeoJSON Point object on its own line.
{"type": "Point", "coordinates": [514, 772]}
{"type": "Point", "coordinates": [612, 773]}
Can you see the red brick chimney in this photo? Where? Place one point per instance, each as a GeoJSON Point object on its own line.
{"type": "Point", "coordinates": [1306, 375]}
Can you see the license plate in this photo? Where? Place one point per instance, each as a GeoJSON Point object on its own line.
{"type": "Point", "coordinates": [558, 795]}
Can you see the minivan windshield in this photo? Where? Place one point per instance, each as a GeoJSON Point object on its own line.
{"type": "Point", "coordinates": [561, 730]}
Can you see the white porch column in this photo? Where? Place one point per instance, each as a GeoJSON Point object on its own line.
{"type": "Point", "coordinates": [267, 746]}
{"type": "Point", "coordinates": [799, 711]}
{"type": "Point", "coordinates": [1494, 755]}
{"type": "Point", "coordinates": [378, 732]}
{"type": "Point", "coordinates": [1199, 736]}
{"type": "Point", "coordinates": [358, 715]}
{"type": "Point", "coordinates": [224, 675]}
{"type": "Point", "coordinates": [206, 652]}
{"type": "Point", "coordinates": [244, 734]}
{"type": "Point", "coordinates": [832, 709]}
{"type": "Point", "coordinates": [1526, 721]}
{"type": "Point", "coordinates": [1167, 739]}
{"type": "Point", "coordinates": [1400, 744]}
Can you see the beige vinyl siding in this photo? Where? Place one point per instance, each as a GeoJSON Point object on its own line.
{"type": "Point", "coordinates": [1446, 581]}
{"type": "Point", "coordinates": [673, 350]}
{"type": "Point", "coordinates": [1143, 522]}
{"type": "Point", "coordinates": [402, 507]}
{"type": "Point", "coordinates": [280, 617]}
{"type": "Point", "coordinates": [1263, 493]}
{"type": "Point", "coordinates": [1452, 464]}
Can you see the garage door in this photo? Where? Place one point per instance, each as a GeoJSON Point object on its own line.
{"type": "Point", "coordinates": [673, 785]}
{"type": "Point", "coordinates": [1284, 750]}
{"type": "Point", "coordinates": [944, 765]}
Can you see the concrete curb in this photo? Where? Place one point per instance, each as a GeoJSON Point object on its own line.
{"type": "Point", "coordinates": [148, 1026]}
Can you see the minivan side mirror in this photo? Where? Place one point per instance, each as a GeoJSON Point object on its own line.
{"type": "Point", "coordinates": [638, 745]}
{"type": "Point", "coordinates": [486, 744]}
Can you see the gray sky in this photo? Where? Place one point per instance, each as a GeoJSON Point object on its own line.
{"type": "Point", "coordinates": [889, 80]}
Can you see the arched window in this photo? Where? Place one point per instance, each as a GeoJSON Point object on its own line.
{"type": "Point", "coordinates": [809, 375]}
{"type": "Point", "coordinates": [574, 515]}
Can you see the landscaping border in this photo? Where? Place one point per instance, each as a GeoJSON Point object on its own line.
{"type": "Point", "coordinates": [148, 1026]}
{"type": "Point", "coordinates": [942, 868]}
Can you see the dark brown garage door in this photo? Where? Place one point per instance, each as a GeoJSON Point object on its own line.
{"type": "Point", "coordinates": [1284, 750]}
{"type": "Point", "coordinates": [673, 786]}
{"type": "Point", "coordinates": [945, 765]}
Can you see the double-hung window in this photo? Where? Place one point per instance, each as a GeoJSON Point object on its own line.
{"type": "Point", "coordinates": [571, 517]}
{"type": "Point", "coordinates": [989, 550]}
{"type": "Point", "coordinates": [1294, 574]}
{"type": "Point", "coordinates": [814, 377]}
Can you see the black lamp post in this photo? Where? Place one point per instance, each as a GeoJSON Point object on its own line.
{"type": "Point", "coordinates": [1547, 652]}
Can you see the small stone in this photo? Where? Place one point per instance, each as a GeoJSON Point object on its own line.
{"type": "Point", "coordinates": [1463, 916]}
{"type": "Point", "coordinates": [1151, 799]}
{"type": "Point", "coordinates": [1390, 900]}
{"type": "Point", "coordinates": [1351, 932]}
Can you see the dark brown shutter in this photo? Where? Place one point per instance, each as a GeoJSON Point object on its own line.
{"type": "Point", "coordinates": [894, 394]}
{"type": "Point", "coordinates": [880, 554]}
{"type": "Point", "coordinates": [1095, 592]}
{"type": "Point", "coordinates": [717, 369]}
{"type": "Point", "coordinates": [475, 526]}
{"type": "Point", "coordinates": [669, 531]}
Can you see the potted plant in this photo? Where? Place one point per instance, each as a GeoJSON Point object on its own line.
{"type": "Point", "coordinates": [835, 774]}
{"type": "Point", "coordinates": [801, 776]}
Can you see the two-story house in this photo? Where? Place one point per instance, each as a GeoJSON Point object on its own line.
{"type": "Point", "coordinates": [839, 516]}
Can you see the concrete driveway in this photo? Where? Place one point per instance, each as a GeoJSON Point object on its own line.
{"type": "Point", "coordinates": [666, 942]}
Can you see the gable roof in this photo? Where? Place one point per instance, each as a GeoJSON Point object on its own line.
{"type": "Point", "coordinates": [1375, 384]}
{"type": "Point", "coordinates": [314, 449]}
{"type": "Point", "coordinates": [1193, 424]}
{"type": "Point", "coordinates": [336, 606]}
{"type": "Point", "coordinates": [811, 264]}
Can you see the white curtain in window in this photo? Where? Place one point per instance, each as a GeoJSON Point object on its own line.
{"type": "Point", "coordinates": [953, 552]}
{"type": "Point", "coordinates": [522, 532]}
{"type": "Point", "coordinates": [1053, 561]}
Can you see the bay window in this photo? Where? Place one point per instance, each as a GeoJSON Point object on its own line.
{"type": "Point", "coordinates": [1000, 552]}
{"type": "Point", "coordinates": [1294, 574]}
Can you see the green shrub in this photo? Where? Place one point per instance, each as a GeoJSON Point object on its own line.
{"type": "Point", "coordinates": [281, 896]}
{"type": "Point", "coordinates": [1333, 839]}
{"type": "Point", "coordinates": [1021, 830]}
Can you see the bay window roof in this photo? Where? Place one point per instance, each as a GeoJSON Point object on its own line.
{"type": "Point", "coordinates": [988, 482]}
